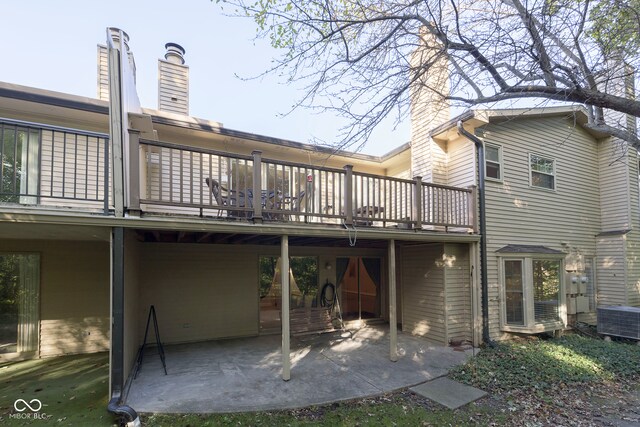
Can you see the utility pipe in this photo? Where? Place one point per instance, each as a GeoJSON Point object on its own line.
{"type": "Point", "coordinates": [484, 281]}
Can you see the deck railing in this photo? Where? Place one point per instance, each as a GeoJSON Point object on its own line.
{"type": "Point", "coordinates": [53, 166]}
{"type": "Point", "coordinates": [179, 179]}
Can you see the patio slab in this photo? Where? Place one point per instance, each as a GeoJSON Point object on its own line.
{"type": "Point", "coordinates": [239, 375]}
{"type": "Point", "coordinates": [449, 393]}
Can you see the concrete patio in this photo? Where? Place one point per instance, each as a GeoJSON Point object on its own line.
{"type": "Point", "coordinates": [240, 375]}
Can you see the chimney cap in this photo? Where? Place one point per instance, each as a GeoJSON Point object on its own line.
{"type": "Point", "coordinates": [175, 53]}
{"type": "Point", "coordinates": [114, 32]}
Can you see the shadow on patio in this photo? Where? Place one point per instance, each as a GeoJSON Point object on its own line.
{"type": "Point", "coordinates": [238, 375]}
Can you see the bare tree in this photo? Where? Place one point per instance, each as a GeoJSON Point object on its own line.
{"type": "Point", "coordinates": [357, 57]}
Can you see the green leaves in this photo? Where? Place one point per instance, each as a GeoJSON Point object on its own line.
{"type": "Point", "coordinates": [616, 26]}
{"type": "Point", "coordinates": [539, 364]}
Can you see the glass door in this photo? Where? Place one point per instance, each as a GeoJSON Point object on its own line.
{"type": "Point", "coordinates": [359, 282]}
{"type": "Point", "coordinates": [19, 307]}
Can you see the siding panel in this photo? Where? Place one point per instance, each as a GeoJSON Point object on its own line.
{"type": "Point", "coordinates": [458, 292]}
{"type": "Point", "coordinates": [520, 214]}
{"type": "Point", "coordinates": [423, 300]}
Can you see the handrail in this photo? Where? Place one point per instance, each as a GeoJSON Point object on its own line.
{"type": "Point", "coordinates": [34, 125]}
{"type": "Point", "coordinates": [181, 178]}
{"type": "Point", "coordinates": [55, 166]}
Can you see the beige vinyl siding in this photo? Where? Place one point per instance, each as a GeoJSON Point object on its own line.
{"type": "Point", "coordinates": [173, 87]}
{"type": "Point", "coordinates": [611, 270]}
{"type": "Point", "coordinates": [633, 237]}
{"type": "Point", "coordinates": [457, 284]}
{"type": "Point", "coordinates": [633, 268]}
{"type": "Point", "coordinates": [71, 167]}
{"type": "Point", "coordinates": [132, 310]}
{"type": "Point", "coordinates": [520, 214]}
{"type": "Point", "coordinates": [462, 164]}
{"type": "Point", "coordinates": [74, 294]}
{"type": "Point", "coordinates": [614, 186]}
{"type": "Point", "coordinates": [423, 296]}
{"type": "Point", "coordinates": [103, 73]}
{"type": "Point", "coordinates": [200, 292]}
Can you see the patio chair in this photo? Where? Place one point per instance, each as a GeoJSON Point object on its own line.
{"type": "Point", "coordinates": [297, 204]}
{"type": "Point", "coordinates": [216, 191]}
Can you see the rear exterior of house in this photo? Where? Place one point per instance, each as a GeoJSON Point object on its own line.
{"type": "Point", "coordinates": [561, 215]}
{"type": "Point", "coordinates": [103, 218]}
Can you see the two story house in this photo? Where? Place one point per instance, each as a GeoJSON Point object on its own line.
{"type": "Point", "coordinates": [108, 208]}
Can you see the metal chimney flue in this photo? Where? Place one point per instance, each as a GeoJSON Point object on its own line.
{"type": "Point", "coordinates": [175, 53]}
{"type": "Point", "coordinates": [173, 81]}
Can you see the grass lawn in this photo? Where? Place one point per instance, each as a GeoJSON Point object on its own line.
{"type": "Point", "coordinates": [570, 381]}
{"type": "Point", "coordinates": [73, 390]}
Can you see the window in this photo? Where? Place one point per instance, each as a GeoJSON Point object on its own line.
{"type": "Point", "coordinates": [493, 161]}
{"type": "Point", "coordinates": [542, 172]}
{"type": "Point", "coordinates": [19, 164]}
{"type": "Point", "coordinates": [514, 290]}
{"type": "Point", "coordinates": [303, 287]}
{"type": "Point", "coordinates": [546, 290]}
{"type": "Point", "coordinates": [532, 293]}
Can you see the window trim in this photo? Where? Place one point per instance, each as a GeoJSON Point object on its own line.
{"type": "Point", "coordinates": [500, 162]}
{"type": "Point", "coordinates": [531, 171]}
{"type": "Point", "coordinates": [530, 325]}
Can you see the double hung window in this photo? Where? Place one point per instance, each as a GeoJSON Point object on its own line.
{"type": "Point", "coordinates": [543, 172]}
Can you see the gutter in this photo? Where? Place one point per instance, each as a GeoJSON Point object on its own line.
{"type": "Point", "coordinates": [484, 281]}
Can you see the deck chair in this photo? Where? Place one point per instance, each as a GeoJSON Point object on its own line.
{"type": "Point", "coordinates": [298, 204]}
{"type": "Point", "coordinates": [214, 186]}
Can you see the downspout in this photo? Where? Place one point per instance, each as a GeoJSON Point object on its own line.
{"type": "Point", "coordinates": [484, 281]}
{"type": "Point", "coordinates": [116, 362]}
{"type": "Point", "coordinates": [125, 411]}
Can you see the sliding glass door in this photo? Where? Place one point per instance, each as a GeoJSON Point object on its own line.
{"type": "Point", "coordinates": [359, 282]}
{"type": "Point", "coordinates": [19, 302]}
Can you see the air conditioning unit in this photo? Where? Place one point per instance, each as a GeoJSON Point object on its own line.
{"type": "Point", "coordinates": [619, 321]}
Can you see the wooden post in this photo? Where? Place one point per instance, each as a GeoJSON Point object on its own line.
{"type": "Point", "coordinates": [348, 195]}
{"type": "Point", "coordinates": [417, 203]}
{"type": "Point", "coordinates": [133, 204]}
{"type": "Point", "coordinates": [284, 277]}
{"type": "Point", "coordinates": [257, 185]}
{"type": "Point", "coordinates": [472, 206]}
{"type": "Point", "coordinates": [393, 323]}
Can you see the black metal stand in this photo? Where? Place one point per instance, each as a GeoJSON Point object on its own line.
{"type": "Point", "coordinates": [152, 314]}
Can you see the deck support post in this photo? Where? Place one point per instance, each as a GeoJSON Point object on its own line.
{"type": "Point", "coordinates": [257, 186]}
{"type": "Point", "coordinates": [393, 323]}
{"type": "Point", "coordinates": [348, 194]}
{"type": "Point", "coordinates": [417, 204]}
{"type": "Point", "coordinates": [284, 277]}
{"type": "Point", "coordinates": [472, 208]}
{"type": "Point", "coordinates": [133, 204]}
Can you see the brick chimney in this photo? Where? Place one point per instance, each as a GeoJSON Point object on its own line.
{"type": "Point", "coordinates": [173, 81]}
{"type": "Point", "coordinates": [428, 108]}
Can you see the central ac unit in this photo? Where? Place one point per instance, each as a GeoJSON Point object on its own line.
{"type": "Point", "coordinates": [619, 321]}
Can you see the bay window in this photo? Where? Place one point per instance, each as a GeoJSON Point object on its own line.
{"type": "Point", "coordinates": [532, 293]}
